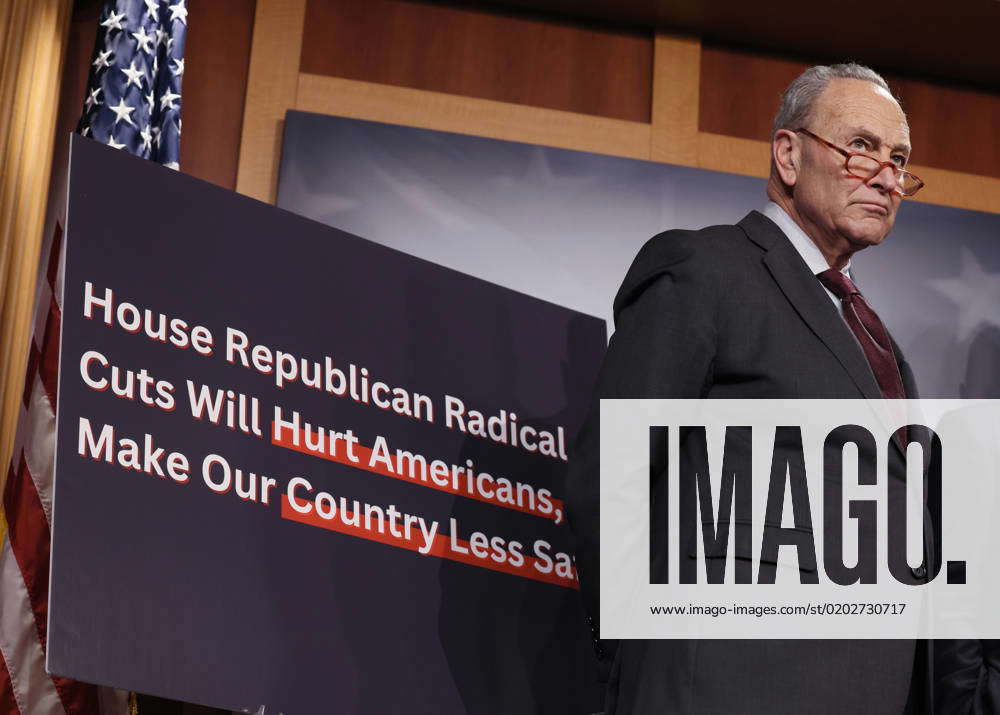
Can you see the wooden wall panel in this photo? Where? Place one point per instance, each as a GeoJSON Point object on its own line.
{"type": "Point", "coordinates": [216, 59]}
{"type": "Point", "coordinates": [740, 91]}
{"type": "Point", "coordinates": [468, 115]}
{"type": "Point", "coordinates": [951, 127]}
{"type": "Point", "coordinates": [676, 73]}
{"type": "Point", "coordinates": [272, 85]}
{"type": "Point", "coordinates": [522, 60]}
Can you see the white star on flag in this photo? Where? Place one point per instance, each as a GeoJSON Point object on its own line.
{"type": "Point", "coordinates": [179, 12]}
{"type": "Point", "coordinates": [92, 98]}
{"type": "Point", "coordinates": [113, 144]}
{"type": "Point", "coordinates": [134, 75]}
{"type": "Point", "coordinates": [102, 60]}
{"type": "Point", "coordinates": [114, 21]}
{"type": "Point", "coordinates": [179, 67]}
{"type": "Point", "coordinates": [147, 138]}
{"type": "Point", "coordinates": [122, 111]}
{"type": "Point", "coordinates": [153, 9]}
{"type": "Point", "coordinates": [145, 41]}
{"type": "Point", "coordinates": [975, 292]}
{"type": "Point", "coordinates": [167, 100]}
{"type": "Point", "coordinates": [151, 102]}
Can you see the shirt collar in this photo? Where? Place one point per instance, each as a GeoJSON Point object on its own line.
{"type": "Point", "coordinates": [800, 239]}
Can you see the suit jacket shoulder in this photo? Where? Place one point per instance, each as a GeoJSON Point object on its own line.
{"type": "Point", "coordinates": [692, 255]}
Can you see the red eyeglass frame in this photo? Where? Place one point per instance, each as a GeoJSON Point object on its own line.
{"type": "Point", "coordinates": [847, 158]}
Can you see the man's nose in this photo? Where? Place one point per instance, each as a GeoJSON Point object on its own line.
{"type": "Point", "coordinates": [884, 179]}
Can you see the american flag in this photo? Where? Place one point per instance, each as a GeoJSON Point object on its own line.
{"type": "Point", "coordinates": [133, 102]}
{"type": "Point", "coordinates": [133, 97]}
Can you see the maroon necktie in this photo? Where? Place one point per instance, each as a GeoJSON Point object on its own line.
{"type": "Point", "coordinates": [870, 332]}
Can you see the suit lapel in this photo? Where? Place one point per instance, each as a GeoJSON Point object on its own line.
{"type": "Point", "coordinates": [905, 372]}
{"type": "Point", "coordinates": [810, 301]}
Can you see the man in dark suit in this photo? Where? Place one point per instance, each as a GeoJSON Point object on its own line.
{"type": "Point", "coordinates": [767, 309]}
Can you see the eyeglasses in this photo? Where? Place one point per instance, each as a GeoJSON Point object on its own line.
{"type": "Point", "coordinates": [866, 167]}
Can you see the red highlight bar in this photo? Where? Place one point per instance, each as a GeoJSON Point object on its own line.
{"type": "Point", "coordinates": [364, 460]}
{"type": "Point", "coordinates": [441, 546]}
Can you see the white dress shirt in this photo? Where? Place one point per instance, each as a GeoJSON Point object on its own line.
{"type": "Point", "coordinates": [804, 245]}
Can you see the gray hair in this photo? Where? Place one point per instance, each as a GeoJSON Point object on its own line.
{"type": "Point", "coordinates": [800, 96]}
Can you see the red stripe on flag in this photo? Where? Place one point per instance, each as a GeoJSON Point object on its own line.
{"type": "Point", "coordinates": [49, 367]}
{"type": "Point", "coordinates": [78, 698]}
{"type": "Point", "coordinates": [7, 702]}
{"type": "Point", "coordinates": [54, 251]}
{"type": "Point", "coordinates": [29, 541]}
{"type": "Point", "coordinates": [29, 375]}
{"type": "Point", "coordinates": [27, 528]}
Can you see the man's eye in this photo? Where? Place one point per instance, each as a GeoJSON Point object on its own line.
{"type": "Point", "coordinates": [860, 144]}
{"type": "Point", "coordinates": [899, 160]}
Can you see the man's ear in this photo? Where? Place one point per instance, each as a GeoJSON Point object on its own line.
{"type": "Point", "coordinates": [786, 151]}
